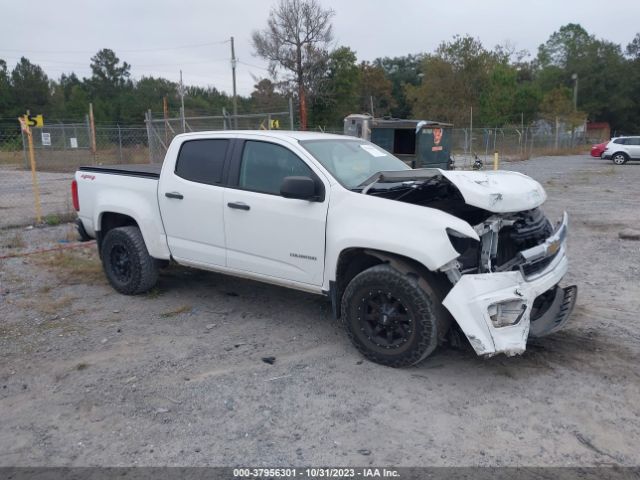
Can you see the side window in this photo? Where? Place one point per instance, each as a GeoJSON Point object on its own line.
{"type": "Point", "coordinates": [633, 141]}
{"type": "Point", "coordinates": [202, 160]}
{"type": "Point", "coordinates": [620, 141]}
{"type": "Point", "coordinates": [265, 165]}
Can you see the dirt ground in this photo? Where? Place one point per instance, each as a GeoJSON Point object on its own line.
{"type": "Point", "coordinates": [176, 377]}
{"type": "Point", "coordinates": [17, 202]}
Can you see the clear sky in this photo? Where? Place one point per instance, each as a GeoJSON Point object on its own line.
{"type": "Point", "coordinates": [160, 37]}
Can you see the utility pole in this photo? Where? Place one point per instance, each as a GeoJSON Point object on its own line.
{"type": "Point", "coordinates": [92, 126]}
{"type": "Point", "coordinates": [521, 135]}
{"type": "Point", "coordinates": [165, 114]}
{"type": "Point", "coordinates": [471, 132]}
{"type": "Point", "coordinates": [233, 74]}
{"type": "Point", "coordinates": [184, 126]}
{"type": "Point", "coordinates": [574, 77]}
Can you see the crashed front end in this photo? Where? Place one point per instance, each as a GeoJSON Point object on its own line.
{"type": "Point", "coordinates": [506, 287]}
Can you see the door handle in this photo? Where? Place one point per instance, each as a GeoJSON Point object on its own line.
{"type": "Point", "coordinates": [238, 205]}
{"type": "Point", "coordinates": [177, 195]}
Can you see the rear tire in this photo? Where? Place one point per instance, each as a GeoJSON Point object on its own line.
{"type": "Point", "coordinates": [127, 263]}
{"type": "Point", "coordinates": [619, 158]}
{"type": "Point", "coordinates": [390, 318]}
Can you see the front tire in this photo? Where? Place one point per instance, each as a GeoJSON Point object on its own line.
{"type": "Point", "coordinates": [390, 318]}
{"type": "Point", "coordinates": [127, 263]}
{"type": "Point", "coordinates": [619, 158]}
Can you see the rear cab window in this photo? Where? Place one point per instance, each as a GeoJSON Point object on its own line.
{"type": "Point", "coordinates": [202, 161]}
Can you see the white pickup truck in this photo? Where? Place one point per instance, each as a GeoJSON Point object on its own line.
{"type": "Point", "coordinates": [403, 255]}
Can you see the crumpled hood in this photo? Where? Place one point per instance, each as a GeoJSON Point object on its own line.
{"type": "Point", "coordinates": [497, 191]}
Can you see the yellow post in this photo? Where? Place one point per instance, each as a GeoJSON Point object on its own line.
{"type": "Point", "coordinates": [496, 160]}
{"type": "Point", "coordinates": [92, 126]}
{"type": "Point", "coordinates": [34, 177]}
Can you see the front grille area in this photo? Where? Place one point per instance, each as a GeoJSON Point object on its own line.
{"type": "Point", "coordinates": [523, 230]}
{"type": "Point", "coordinates": [531, 228]}
{"type": "Point", "coordinates": [533, 268]}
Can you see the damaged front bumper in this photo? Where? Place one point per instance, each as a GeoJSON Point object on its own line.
{"type": "Point", "coordinates": [494, 309]}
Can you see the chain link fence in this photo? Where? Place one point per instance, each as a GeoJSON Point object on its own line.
{"type": "Point", "coordinates": [161, 131]}
{"type": "Point", "coordinates": [513, 143]}
{"type": "Point", "coordinates": [59, 149]}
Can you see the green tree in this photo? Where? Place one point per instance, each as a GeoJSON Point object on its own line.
{"type": "Point", "coordinates": [633, 78]}
{"type": "Point", "coordinates": [30, 87]}
{"type": "Point", "coordinates": [374, 85]}
{"type": "Point", "coordinates": [77, 106]}
{"type": "Point", "coordinates": [602, 71]}
{"type": "Point", "coordinates": [633, 48]}
{"type": "Point", "coordinates": [454, 78]}
{"type": "Point", "coordinates": [498, 99]}
{"type": "Point", "coordinates": [566, 47]}
{"type": "Point", "coordinates": [526, 102]}
{"type": "Point", "coordinates": [265, 98]}
{"type": "Point", "coordinates": [557, 105]}
{"type": "Point", "coordinates": [6, 95]}
{"type": "Point", "coordinates": [402, 71]}
{"type": "Point", "coordinates": [440, 95]}
{"type": "Point", "coordinates": [108, 84]}
{"type": "Point", "coordinates": [338, 96]}
{"type": "Point", "coordinates": [149, 92]}
{"type": "Point", "coordinates": [108, 75]}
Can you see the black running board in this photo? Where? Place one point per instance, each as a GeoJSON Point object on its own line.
{"type": "Point", "coordinates": [558, 313]}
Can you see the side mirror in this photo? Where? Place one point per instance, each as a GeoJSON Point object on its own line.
{"type": "Point", "coordinates": [302, 188]}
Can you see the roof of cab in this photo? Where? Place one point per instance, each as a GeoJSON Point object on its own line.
{"type": "Point", "coordinates": [280, 134]}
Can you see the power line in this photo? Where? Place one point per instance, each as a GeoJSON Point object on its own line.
{"type": "Point", "coordinates": [136, 65]}
{"type": "Point", "coordinates": [252, 65]}
{"type": "Point", "coordinates": [157, 49]}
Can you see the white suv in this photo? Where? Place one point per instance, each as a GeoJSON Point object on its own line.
{"type": "Point", "coordinates": [622, 149]}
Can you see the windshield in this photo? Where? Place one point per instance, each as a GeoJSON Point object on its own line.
{"type": "Point", "coordinates": [352, 161]}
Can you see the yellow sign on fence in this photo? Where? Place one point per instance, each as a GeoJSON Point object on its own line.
{"type": "Point", "coordinates": [33, 120]}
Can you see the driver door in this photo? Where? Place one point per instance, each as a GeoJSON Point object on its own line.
{"type": "Point", "coordinates": [266, 233]}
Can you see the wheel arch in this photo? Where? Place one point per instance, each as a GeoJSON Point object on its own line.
{"type": "Point", "coordinates": [355, 260]}
{"type": "Point", "coordinates": [108, 220]}
{"type": "Point", "coordinates": [621, 152]}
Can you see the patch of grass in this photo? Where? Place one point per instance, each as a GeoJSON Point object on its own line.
{"type": "Point", "coordinates": [177, 311]}
{"type": "Point", "coordinates": [15, 157]}
{"type": "Point", "coordinates": [71, 234]}
{"type": "Point", "coordinates": [52, 306]}
{"type": "Point", "coordinates": [14, 241]}
{"type": "Point", "coordinates": [153, 293]}
{"type": "Point", "coordinates": [73, 266]}
{"type": "Point", "coordinates": [82, 366]}
{"type": "Point", "coordinates": [52, 219]}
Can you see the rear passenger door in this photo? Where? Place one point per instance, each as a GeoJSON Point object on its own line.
{"type": "Point", "coordinates": [191, 202]}
{"type": "Point", "coordinates": [266, 233]}
{"type": "Point", "coordinates": [633, 147]}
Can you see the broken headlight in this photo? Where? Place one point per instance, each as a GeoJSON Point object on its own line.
{"type": "Point", "coordinates": [506, 313]}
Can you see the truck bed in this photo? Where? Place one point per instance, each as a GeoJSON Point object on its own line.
{"type": "Point", "coordinates": [144, 170]}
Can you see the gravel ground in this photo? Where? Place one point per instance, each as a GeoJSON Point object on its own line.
{"type": "Point", "coordinates": [17, 204]}
{"type": "Point", "coordinates": [176, 377]}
